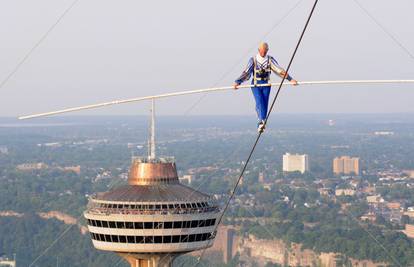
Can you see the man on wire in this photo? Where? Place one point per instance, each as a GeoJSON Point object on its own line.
{"type": "Point", "coordinates": [261, 66]}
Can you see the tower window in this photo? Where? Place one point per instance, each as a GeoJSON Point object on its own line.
{"type": "Point", "coordinates": [149, 239]}
{"type": "Point", "coordinates": [138, 225]}
{"type": "Point", "coordinates": [175, 239]}
{"type": "Point", "coordinates": [120, 225]}
{"type": "Point", "coordinates": [177, 224]}
{"type": "Point", "coordinates": [184, 239]}
{"type": "Point", "coordinates": [158, 225]}
{"type": "Point", "coordinates": [157, 239]}
{"type": "Point", "coordinates": [167, 239]}
{"type": "Point", "coordinates": [168, 225]}
{"type": "Point", "coordinates": [122, 239]}
{"type": "Point", "coordinates": [131, 239]}
{"type": "Point", "coordinates": [191, 238]}
{"type": "Point", "coordinates": [139, 239]}
{"type": "Point", "coordinates": [148, 225]}
{"type": "Point", "coordinates": [129, 225]}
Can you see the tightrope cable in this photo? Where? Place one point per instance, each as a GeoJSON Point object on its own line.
{"type": "Point", "coordinates": [232, 193]}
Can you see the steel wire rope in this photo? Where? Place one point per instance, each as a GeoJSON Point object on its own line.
{"type": "Point", "coordinates": [387, 32]}
{"type": "Point", "coordinates": [265, 122]}
{"type": "Point", "coordinates": [37, 44]}
{"type": "Point", "coordinates": [240, 60]}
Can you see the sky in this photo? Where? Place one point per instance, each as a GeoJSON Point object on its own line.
{"type": "Point", "coordinates": [106, 50]}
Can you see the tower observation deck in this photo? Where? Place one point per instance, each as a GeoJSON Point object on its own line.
{"type": "Point", "coordinates": [154, 218]}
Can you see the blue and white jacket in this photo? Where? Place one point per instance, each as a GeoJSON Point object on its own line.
{"type": "Point", "coordinates": [261, 68]}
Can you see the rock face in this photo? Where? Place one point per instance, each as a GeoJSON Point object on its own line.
{"type": "Point", "coordinates": [63, 217]}
{"type": "Point", "coordinates": [276, 251]}
{"type": "Point", "coordinates": [228, 243]}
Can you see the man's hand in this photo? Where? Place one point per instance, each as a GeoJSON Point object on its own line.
{"type": "Point", "coordinates": [294, 82]}
{"type": "Point", "coordinates": [236, 86]}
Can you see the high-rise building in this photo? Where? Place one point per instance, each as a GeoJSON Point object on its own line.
{"type": "Point", "coordinates": [295, 162]}
{"type": "Point", "coordinates": [346, 165]}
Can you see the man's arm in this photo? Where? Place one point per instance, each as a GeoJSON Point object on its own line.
{"type": "Point", "coordinates": [276, 68]}
{"type": "Point", "coordinates": [245, 74]}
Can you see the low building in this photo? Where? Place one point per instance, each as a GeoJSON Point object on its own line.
{"type": "Point", "coordinates": [32, 166]}
{"type": "Point", "coordinates": [409, 173]}
{"type": "Point", "coordinates": [324, 191]}
{"type": "Point", "coordinates": [369, 217]}
{"type": "Point", "coordinates": [393, 205]}
{"type": "Point", "coordinates": [7, 262]}
{"type": "Point", "coordinates": [345, 192]}
{"type": "Point", "coordinates": [186, 179]}
{"type": "Point", "coordinates": [4, 150]}
{"type": "Point", "coordinates": [375, 199]}
{"type": "Point", "coordinates": [75, 169]}
{"type": "Point", "coordinates": [409, 230]}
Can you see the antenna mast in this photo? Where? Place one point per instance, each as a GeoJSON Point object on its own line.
{"type": "Point", "coordinates": [151, 141]}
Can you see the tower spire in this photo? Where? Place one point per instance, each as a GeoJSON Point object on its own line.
{"type": "Point", "coordinates": [151, 141]}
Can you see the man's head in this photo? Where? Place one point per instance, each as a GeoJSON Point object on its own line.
{"type": "Point", "coordinates": [263, 48]}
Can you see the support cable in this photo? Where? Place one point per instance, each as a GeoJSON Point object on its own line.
{"type": "Point", "coordinates": [232, 193]}
{"type": "Point", "coordinates": [240, 60]}
{"type": "Point", "coordinates": [387, 32]}
{"type": "Point", "coordinates": [37, 44]}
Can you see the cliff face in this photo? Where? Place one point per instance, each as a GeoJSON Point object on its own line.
{"type": "Point", "coordinates": [276, 251]}
{"type": "Point", "coordinates": [228, 243]}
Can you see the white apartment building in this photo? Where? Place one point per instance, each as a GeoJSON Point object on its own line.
{"type": "Point", "coordinates": [295, 162]}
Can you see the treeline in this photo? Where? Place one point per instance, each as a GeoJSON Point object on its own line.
{"type": "Point", "coordinates": [30, 236]}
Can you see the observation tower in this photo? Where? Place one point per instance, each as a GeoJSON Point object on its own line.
{"type": "Point", "coordinates": [153, 218]}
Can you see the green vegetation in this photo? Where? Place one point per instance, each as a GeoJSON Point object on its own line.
{"type": "Point", "coordinates": [327, 228]}
{"type": "Point", "coordinates": [30, 236]}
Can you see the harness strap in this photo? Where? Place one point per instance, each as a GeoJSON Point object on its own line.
{"type": "Point", "coordinates": [268, 70]}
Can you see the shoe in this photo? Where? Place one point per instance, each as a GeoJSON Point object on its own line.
{"type": "Point", "coordinates": [261, 127]}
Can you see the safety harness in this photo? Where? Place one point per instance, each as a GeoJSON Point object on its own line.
{"type": "Point", "coordinates": [261, 74]}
